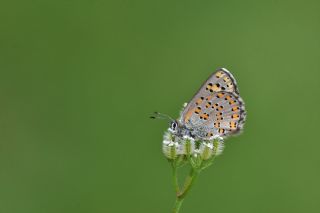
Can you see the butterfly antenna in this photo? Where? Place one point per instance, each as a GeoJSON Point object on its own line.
{"type": "Point", "coordinates": [158, 115]}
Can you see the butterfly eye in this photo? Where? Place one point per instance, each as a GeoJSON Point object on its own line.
{"type": "Point", "coordinates": [174, 125]}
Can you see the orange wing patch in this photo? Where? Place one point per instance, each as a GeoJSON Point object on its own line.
{"type": "Point", "coordinates": [228, 81]}
{"type": "Point", "coordinates": [219, 108]}
{"type": "Point", "coordinates": [197, 110]}
{"type": "Point", "coordinates": [199, 101]}
{"type": "Point", "coordinates": [208, 98]}
{"type": "Point", "coordinates": [220, 95]}
{"type": "Point", "coordinates": [235, 109]}
{"type": "Point", "coordinates": [204, 116]}
{"type": "Point", "coordinates": [208, 104]}
{"type": "Point", "coordinates": [235, 116]}
{"type": "Point", "coordinates": [232, 101]}
{"type": "Point", "coordinates": [214, 87]}
{"type": "Point", "coordinates": [188, 116]}
{"type": "Point", "coordinates": [233, 125]}
{"type": "Point", "coordinates": [220, 74]}
{"type": "Point", "coordinates": [221, 131]}
{"type": "Point", "coordinates": [210, 134]}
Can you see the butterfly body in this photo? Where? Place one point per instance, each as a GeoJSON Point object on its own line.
{"type": "Point", "coordinates": [182, 130]}
{"type": "Point", "coordinates": [215, 110]}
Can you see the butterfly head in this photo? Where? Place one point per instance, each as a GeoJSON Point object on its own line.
{"type": "Point", "coordinates": [180, 130]}
{"type": "Point", "coordinates": [174, 126]}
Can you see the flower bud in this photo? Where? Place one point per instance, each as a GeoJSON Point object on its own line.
{"type": "Point", "coordinates": [206, 150]}
{"type": "Point", "coordinates": [169, 145]}
{"type": "Point", "coordinates": [172, 146]}
{"type": "Point", "coordinates": [218, 145]}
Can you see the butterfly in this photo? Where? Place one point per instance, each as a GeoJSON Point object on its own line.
{"type": "Point", "coordinates": [216, 110]}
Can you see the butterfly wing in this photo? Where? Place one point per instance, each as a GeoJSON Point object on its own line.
{"type": "Point", "coordinates": [210, 110]}
{"type": "Point", "coordinates": [226, 116]}
{"type": "Point", "coordinates": [221, 80]}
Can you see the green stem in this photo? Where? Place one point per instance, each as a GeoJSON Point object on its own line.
{"type": "Point", "coordinates": [175, 178]}
{"type": "Point", "coordinates": [189, 183]}
{"type": "Point", "coordinates": [209, 163]}
{"type": "Point", "coordinates": [187, 186]}
{"type": "Point", "coordinates": [177, 205]}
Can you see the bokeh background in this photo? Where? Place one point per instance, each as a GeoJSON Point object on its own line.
{"type": "Point", "coordinates": [79, 79]}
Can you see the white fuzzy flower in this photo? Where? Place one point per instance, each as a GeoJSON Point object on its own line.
{"type": "Point", "coordinates": [219, 146]}
{"type": "Point", "coordinates": [186, 137]}
{"type": "Point", "coordinates": [173, 146]}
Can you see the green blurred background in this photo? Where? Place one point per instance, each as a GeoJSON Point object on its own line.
{"type": "Point", "coordinates": [79, 79]}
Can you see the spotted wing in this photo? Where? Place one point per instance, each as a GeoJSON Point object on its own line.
{"type": "Point", "coordinates": [225, 115]}
{"type": "Point", "coordinates": [221, 80]}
